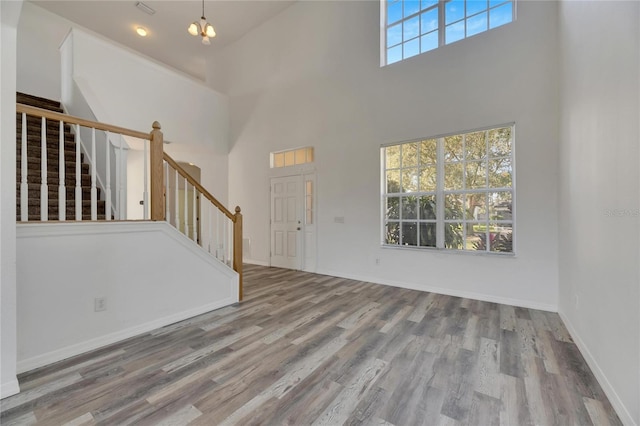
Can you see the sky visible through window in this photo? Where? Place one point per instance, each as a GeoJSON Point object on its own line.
{"type": "Point", "coordinates": [417, 26]}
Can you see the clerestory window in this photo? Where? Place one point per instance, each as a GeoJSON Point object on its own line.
{"type": "Point", "coordinates": [412, 27]}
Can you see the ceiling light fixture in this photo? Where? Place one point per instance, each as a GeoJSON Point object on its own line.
{"type": "Point", "coordinates": [142, 32]}
{"type": "Point", "coordinates": [202, 28]}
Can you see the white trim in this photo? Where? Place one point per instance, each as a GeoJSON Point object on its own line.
{"type": "Point", "coordinates": [445, 291]}
{"type": "Point", "coordinates": [9, 388]}
{"type": "Point", "coordinates": [610, 392]}
{"type": "Point", "coordinates": [256, 262]}
{"type": "Point", "coordinates": [98, 342]}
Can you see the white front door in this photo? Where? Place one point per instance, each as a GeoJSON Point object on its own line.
{"type": "Point", "coordinates": [286, 222]}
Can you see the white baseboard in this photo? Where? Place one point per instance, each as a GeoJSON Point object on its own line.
{"type": "Point", "coordinates": [9, 388]}
{"type": "Point", "coordinates": [256, 262]}
{"type": "Point", "coordinates": [618, 405]}
{"type": "Point", "coordinates": [98, 342]}
{"type": "Point", "coordinates": [446, 291]}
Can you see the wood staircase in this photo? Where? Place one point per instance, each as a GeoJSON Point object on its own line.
{"type": "Point", "coordinates": [34, 173]}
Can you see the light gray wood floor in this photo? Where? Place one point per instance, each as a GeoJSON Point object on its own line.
{"type": "Point", "coordinates": [313, 349]}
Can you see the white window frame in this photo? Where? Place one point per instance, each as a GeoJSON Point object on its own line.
{"type": "Point", "coordinates": [442, 26]}
{"type": "Point", "coordinates": [440, 193]}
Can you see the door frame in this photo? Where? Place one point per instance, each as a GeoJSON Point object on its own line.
{"type": "Point", "coordinates": [308, 239]}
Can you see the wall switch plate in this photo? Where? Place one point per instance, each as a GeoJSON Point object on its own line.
{"type": "Point", "coordinates": [100, 304]}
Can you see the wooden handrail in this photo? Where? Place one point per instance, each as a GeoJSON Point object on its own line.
{"type": "Point", "coordinates": [199, 187]}
{"type": "Point", "coordinates": [70, 119]}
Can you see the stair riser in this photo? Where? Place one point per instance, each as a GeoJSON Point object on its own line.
{"type": "Point", "coordinates": [36, 127]}
{"type": "Point", "coordinates": [70, 180]}
{"type": "Point", "coordinates": [52, 136]}
{"type": "Point", "coordinates": [34, 165]}
{"type": "Point", "coordinates": [34, 156]}
{"type": "Point", "coordinates": [24, 98]}
{"type": "Point", "coordinates": [34, 193]}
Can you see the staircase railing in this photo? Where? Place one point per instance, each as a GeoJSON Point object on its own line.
{"type": "Point", "coordinates": [174, 195]}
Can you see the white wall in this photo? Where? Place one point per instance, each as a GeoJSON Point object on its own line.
{"type": "Point", "coordinates": [311, 76]}
{"type": "Point", "coordinates": [149, 273]}
{"type": "Point", "coordinates": [9, 15]}
{"type": "Point", "coordinates": [132, 94]}
{"type": "Point", "coordinates": [599, 198]}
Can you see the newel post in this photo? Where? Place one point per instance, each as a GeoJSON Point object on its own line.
{"type": "Point", "coordinates": [237, 249]}
{"type": "Point", "coordinates": [155, 162]}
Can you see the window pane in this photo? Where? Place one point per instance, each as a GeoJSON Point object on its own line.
{"type": "Point", "coordinates": [476, 207]}
{"type": "Point", "coordinates": [409, 208]}
{"type": "Point", "coordinates": [476, 237]}
{"type": "Point", "coordinates": [289, 158]}
{"type": "Point", "coordinates": [453, 206]}
{"type": "Point", "coordinates": [428, 3]}
{"type": "Point", "coordinates": [428, 177]}
{"type": "Point", "coordinates": [310, 154]}
{"type": "Point", "coordinates": [501, 238]}
{"type": "Point", "coordinates": [409, 234]}
{"type": "Point", "coordinates": [429, 42]}
{"type": "Point", "coordinates": [428, 234]}
{"type": "Point", "coordinates": [454, 11]}
{"type": "Point", "coordinates": [428, 151]}
{"type": "Point", "coordinates": [392, 157]}
{"type": "Point", "coordinates": [394, 11]}
{"type": "Point", "coordinates": [392, 208]}
{"type": "Point", "coordinates": [476, 24]}
{"type": "Point", "coordinates": [454, 32]}
{"type": "Point", "coordinates": [392, 233]}
{"type": "Point", "coordinates": [476, 176]}
{"type": "Point", "coordinates": [428, 207]}
{"type": "Point", "coordinates": [394, 35]}
{"type": "Point", "coordinates": [500, 142]}
{"type": "Point", "coordinates": [500, 173]}
{"type": "Point", "coordinates": [410, 180]}
{"type": "Point", "coordinates": [500, 15]}
{"type": "Point", "coordinates": [453, 148]}
{"type": "Point", "coordinates": [452, 176]}
{"type": "Point", "coordinates": [475, 6]}
{"type": "Point", "coordinates": [411, 48]}
{"type": "Point", "coordinates": [453, 235]}
{"type": "Point", "coordinates": [494, 3]}
{"type": "Point", "coordinates": [301, 156]}
{"type": "Point", "coordinates": [278, 159]}
{"type": "Point", "coordinates": [411, 7]}
{"type": "Point", "coordinates": [475, 146]}
{"type": "Point", "coordinates": [500, 206]}
{"type": "Point", "coordinates": [410, 154]}
{"type": "Point", "coordinates": [428, 21]}
{"type": "Point", "coordinates": [394, 54]}
{"type": "Point", "coordinates": [393, 182]}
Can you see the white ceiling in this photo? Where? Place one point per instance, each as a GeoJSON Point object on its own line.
{"type": "Point", "coordinates": [168, 40]}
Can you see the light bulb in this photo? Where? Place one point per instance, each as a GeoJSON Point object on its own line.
{"type": "Point", "coordinates": [141, 32]}
{"type": "Point", "coordinates": [193, 29]}
{"type": "Point", "coordinates": [209, 31]}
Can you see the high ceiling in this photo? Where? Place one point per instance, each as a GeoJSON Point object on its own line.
{"type": "Point", "coordinates": [168, 40]}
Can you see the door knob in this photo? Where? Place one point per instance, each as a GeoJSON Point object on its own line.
{"type": "Point", "coordinates": [298, 228]}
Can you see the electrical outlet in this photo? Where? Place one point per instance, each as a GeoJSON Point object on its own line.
{"type": "Point", "coordinates": [100, 304]}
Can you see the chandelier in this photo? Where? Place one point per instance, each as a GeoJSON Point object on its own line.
{"type": "Point", "coordinates": [202, 28]}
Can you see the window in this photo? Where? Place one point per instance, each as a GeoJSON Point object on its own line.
{"type": "Point", "coordinates": [292, 157]}
{"type": "Point", "coordinates": [412, 27]}
{"type": "Point", "coordinates": [453, 192]}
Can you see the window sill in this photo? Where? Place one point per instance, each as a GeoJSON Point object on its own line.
{"type": "Point", "coordinates": [450, 251]}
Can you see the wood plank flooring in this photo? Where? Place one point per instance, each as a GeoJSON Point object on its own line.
{"type": "Point", "coordinates": [306, 349]}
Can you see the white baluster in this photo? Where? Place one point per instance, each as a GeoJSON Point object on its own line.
{"type": "Point", "coordinates": [107, 190]}
{"type": "Point", "coordinates": [167, 212]}
{"type": "Point", "coordinates": [209, 222]}
{"type": "Point", "coordinates": [195, 222]}
{"type": "Point", "coordinates": [78, 176]}
{"type": "Point", "coordinates": [224, 238]}
{"type": "Point", "coordinates": [145, 194]}
{"type": "Point", "coordinates": [44, 188]}
{"type": "Point", "coordinates": [118, 157]}
{"type": "Point", "coordinates": [217, 233]}
{"type": "Point", "coordinates": [186, 208]}
{"type": "Point", "coordinates": [62, 192]}
{"type": "Point", "coordinates": [24, 185]}
{"type": "Point", "coordinates": [175, 201]}
{"type": "Point", "coordinates": [94, 188]}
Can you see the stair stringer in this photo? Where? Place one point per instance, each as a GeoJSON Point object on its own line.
{"type": "Point", "coordinates": [150, 274]}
